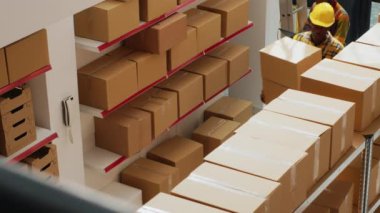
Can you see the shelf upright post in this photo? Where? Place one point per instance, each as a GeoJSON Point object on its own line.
{"type": "Point", "coordinates": [366, 173]}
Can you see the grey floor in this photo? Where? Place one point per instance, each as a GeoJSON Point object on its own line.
{"type": "Point", "coordinates": [375, 12]}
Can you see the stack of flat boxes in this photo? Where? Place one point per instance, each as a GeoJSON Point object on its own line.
{"type": "Point", "coordinates": [44, 160]}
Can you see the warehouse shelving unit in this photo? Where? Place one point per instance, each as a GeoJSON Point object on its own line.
{"type": "Point", "coordinates": [374, 206]}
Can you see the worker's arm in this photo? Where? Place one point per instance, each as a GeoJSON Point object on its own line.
{"type": "Point", "coordinates": [342, 28]}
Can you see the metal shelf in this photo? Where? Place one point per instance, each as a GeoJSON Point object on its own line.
{"type": "Point", "coordinates": [25, 79]}
{"type": "Point", "coordinates": [375, 206]}
{"type": "Point", "coordinates": [98, 47]}
{"type": "Point", "coordinates": [104, 161]}
{"type": "Point", "coordinates": [104, 113]}
{"type": "Point", "coordinates": [44, 136]}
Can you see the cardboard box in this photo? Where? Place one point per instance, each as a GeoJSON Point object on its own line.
{"type": "Point", "coordinates": [49, 169]}
{"type": "Point", "coordinates": [125, 132]}
{"type": "Point", "coordinates": [42, 157]}
{"type": "Point", "coordinates": [214, 132]}
{"type": "Point", "coordinates": [22, 114]}
{"type": "Point", "coordinates": [237, 57]}
{"type": "Point", "coordinates": [14, 99]}
{"type": "Point", "coordinates": [284, 61]}
{"type": "Point", "coordinates": [163, 107]}
{"type": "Point", "coordinates": [375, 126]}
{"type": "Point", "coordinates": [337, 114]}
{"type": "Point", "coordinates": [214, 72]}
{"type": "Point", "coordinates": [32, 51]}
{"type": "Point", "coordinates": [317, 209]}
{"type": "Point", "coordinates": [150, 67]}
{"type": "Point", "coordinates": [231, 109]}
{"type": "Point", "coordinates": [169, 203]}
{"type": "Point", "coordinates": [162, 36]}
{"type": "Point", "coordinates": [371, 37]}
{"type": "Point", "coordinates": [272, 90]}
{"type": "Point", "coordinates": [17, 139]}
{"type": "Point", "coordinates": [107, 20]}
{"type": "Point", "coordinates": [151, 9]}
{"type": "Point", "coordinates": [234, 14]}
{"type": "Point", "coordinates": [346, 82]}
{"type": "Point", "coordinates": [360, 54]}
{"type": "Point", "coordinates": [270, 161]}
{"type": "Point", "coordinates": [309, 137]}
{"type": "Point", "coordinates": [338, 197]}
{"type": "Point", "coordinates": [183, 51]}
{"type": "Point", "coordinates": [107, 81]}
{"type": "Point", "coordinates": [189, 89]}
{"type": "Point", "coordinates": [4, 80]}
{"type": "Point", "coordinates": [182, 153]}
{"type": "Point", "coordinates": [150, 176]}
{"type": "Point", "coordinates": [208, 26]}
{"type": "Point", "coordinates": [230, 190]}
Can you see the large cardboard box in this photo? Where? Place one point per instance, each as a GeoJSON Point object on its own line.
{"type": "Point", "coordinates": [162, 36]}
{"type": "Point", "coordinates": [346, 82]}
{"type": "Point", "coordinates": [32, 51]}
{"type": "Point", "coordinates": [42, 157]}
{"type": "Point", "coordinates": [317, 209]}
{"type": "Point", "coordinates": [234, 14]}
{"type": "Point", "coordinates": [189, 89]}
{"type": "Point", "coordinates": [309, 137]}
{"type": "Point", "coordinates": [360, 54]}
{"type": "Point", "coordinates": [169, 203]}
{"type": "Point", "coordinates": [151, 9]}
{"type": "Point", "coordinates": [231, 109]}
{"type": "Point", "coordinates": [208, 26]}
{"type": "Point", "coordinates": [231, 190]}
{"type": "Point", "coordinates": [272, 90]}
{"type": "Point", "coordinates": [338, 197]}
{"type": "Point", "coordinates": [372, 129]}
{"type": "Point", "coordinates": [182, 153]}
{"type": "Point", "coordinates": [107, 20]}
{"type": "Point", "coordinates": [4, 80]}
{"type": "Point", "coordinates": [371, 37]}
{"type": "Point", "coordinates": [150, 67]}
{"type": "Point", "coordinates": [163, 107]}
{"type": "Point", "coordinates": [337, 114]}
{"type": "Point", "coordinates": [125, 132]}
{"type": "Point", "coordinates": [183, 51]}
{"type": "Point", "coordinates": [237, 57]}
{"type": "Point", "coordinates": [214, 73]}
{"type": "Point", "coordinates": [107, 81]}
{"type": "Point", "coordinates": [150, 176]}
{"type": "Point", "coordinates": [284, 61]}
{"type": "Point", "coordinates": [268, 160]}
{"type": "Point", "coordinates": [214, 132]}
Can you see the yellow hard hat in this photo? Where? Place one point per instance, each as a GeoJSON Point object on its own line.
{"type": "Point", "coordinates": [323, 15]}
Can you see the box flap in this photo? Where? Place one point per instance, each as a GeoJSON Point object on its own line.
{"type": "Point", "coordinates": [196, 18]}
{"type": "Point", "coordinates": [229, 106]}
{"type": "Point", "coordinates": [108, 5]}
{"type": "Point", "coordinates": [205, 65]}
{"type": "Point", "coordinates": [223, 5]}
{"type": "Point", "coordinates": [169, 21]}
{"type": "Point", "coordinates": [229, 51]}
{"type": "Point", "coordinates": [217, 128]}
{"type": "Point", "coordinates": [180, 80]}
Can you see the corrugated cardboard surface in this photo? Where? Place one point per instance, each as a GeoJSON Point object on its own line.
{"type": "Point", "coordinates": [163, 107]}
{"type": "Point", "coordinates": [107, 81]}
{"type": "Point", "coordinates": [150, 67]}
{"type": "Point", "coordinates": [317, 209]}
{"type": "Point", "coordinates": [268, 160]}
{"type": "Point", "coordinates": [272, 90]}
{"type": "Point", "coordinates": [237, 57]}
{"type": "Point", "coordinates": [338, 197]}
{"type": "Point", "coordinates": [375, 125]}
{"type": "Point", "coordinates": [150, 176]}
{"type": "Point", "coordinates": [293, 133]}
{"type": "Point", "coordinates": [285, 60]}
{"type": "Point", "coordinates": [169, 203]}
{"type": "Point", "coordinates": [360, 54]}
{"type": "Point", "coordinates": [4, 80]}
{"type": "Point", "coordinates": [230, 190]}
{"type": "Point", "coordinates": [17, 139]}
{"type": "Point", "coordinates": [14, 99]}
{"type": "Point", "coordinates": [183, 51]}
{"type": "Point", "coordinates": [234, 14]}
{"type": "Point", "coordinates": [208, 26]}
{"type": "Point", "coordinates": [151, 9]}
{"type": "Point", "coordinates": [107, 20]}
{"type": "Point", "coordinates": [189, 88]}
{"type": "Point", "coordinates": [182, 153]}
{"type": "Point", "coordinates": [346, 82]}
{"type": "Point", "coordinates": [214, 132]}
{"type": "Point", "coordinates": [32, 51]}
{"type": "Point", "coordinates": [162, 36]}
{"type": "Point", "coordinates": [231, 109]}
{"type": "Point", "coordinates": [338, 114]}
{"type": "Point", "coordinates": [11, 120]}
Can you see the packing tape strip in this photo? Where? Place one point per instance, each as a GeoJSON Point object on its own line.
{"type": "Point", "coordinates": [374, 97]}
{"type": "Point", "coordinates": [224, 186]}
{"type": "Point", "coordinates": [170, 180]}
{"type": "Point", "coordinates": [343, 142]}
{"type": "Point", "coordinates": [315, 106]}
{"type": "Point", "coordinates": [149, 209]}
{"type": "Point", "coordinates": [293, 176]}
{"type": "Point", "coordinates": [216, 127]}
{"type": "Point", "coordinates": [317, 152]}
{"type": "Point", "coordinates": [328, 69]}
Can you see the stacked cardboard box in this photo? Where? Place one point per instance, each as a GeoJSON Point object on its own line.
{"type": "Point", "coordinates": [337, 114]}
{"type": "Point", "coordinates": [230, 190]}
{"type": "Point", "coordinates": [282, 64]}
{"type": "Point", "coordinates": [44, 160]}
{"type": "Point", "coordinates": [346, 82]}
{"type": "Point", "coordinates": [317, 209]}
{"type": "Point", "coordinates": [151, 9]}
{"type": "Point", "coordinates": [231, 109]}
{"type": "Point", "coordinates": [371, 37]}
{"type": "Point", "coordinates": [107, 20]}
{"type": "Point", "coordinates": [17, 126]}
{"type": "Point", "coordinates": [4, 80]}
